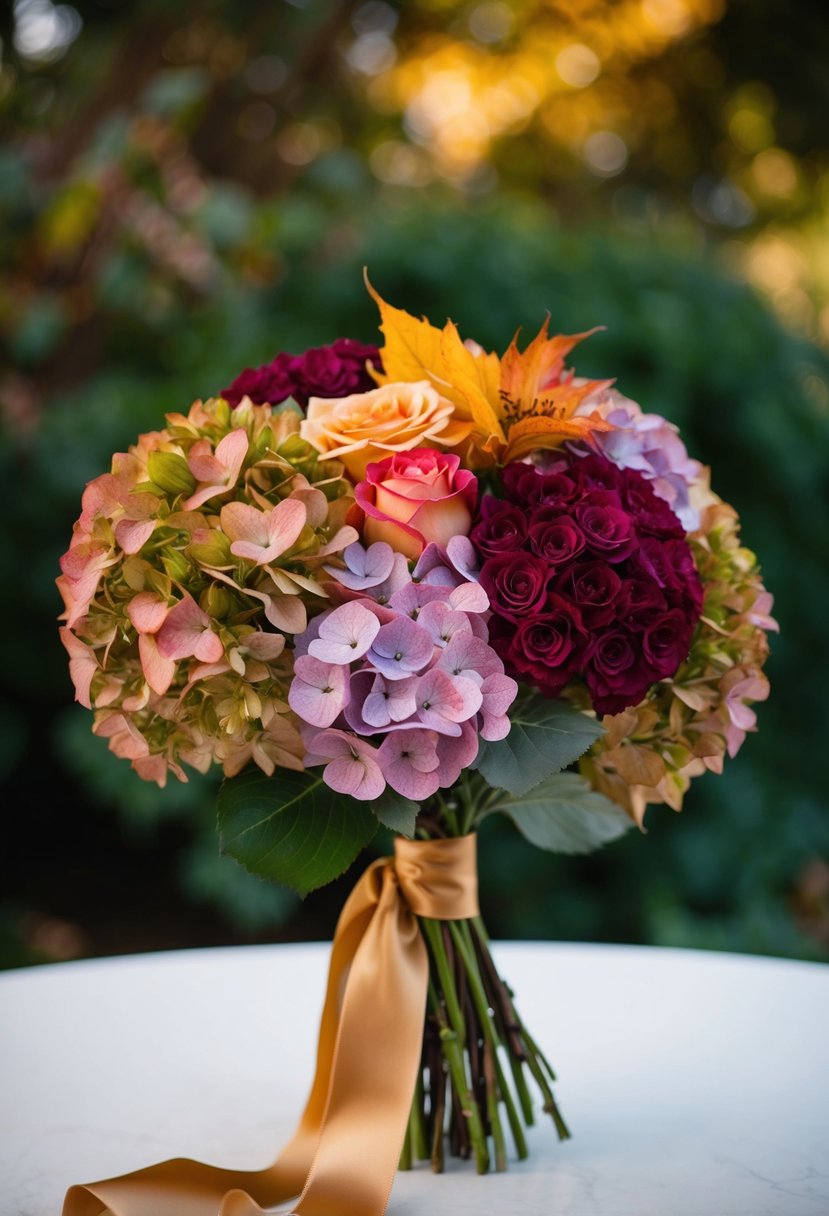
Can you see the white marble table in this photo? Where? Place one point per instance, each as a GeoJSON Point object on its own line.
{"type": "Point", "coordinates": [696, 1084]}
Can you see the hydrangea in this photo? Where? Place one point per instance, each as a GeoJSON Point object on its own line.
{"type": "Point", "coordinates": [191, 563]}
{"type": "Point", "coordinates": [649, 444]}
{"type": "Point", "coordinates": [589, 576]}
{"type": "Point", "coordinates": [397, 683]}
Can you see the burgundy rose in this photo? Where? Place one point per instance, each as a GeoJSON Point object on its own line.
{"type": "Point", "coordinates": [595, 472]}
{"type": "Point", "coordinates": [639, 602]}
{"type": "Point", "coordinates": [608, 529]}
{"type": "Point", "coordinates": [548, 650]}
{"type": "Point", "coordinates": [666, 642]}
{"type": "Point", "coordinates": [616, 676]}
{"type": "Point", "coordinates": [594, 588]}
{"type": "Point", "coordinates": [267, 385]}
{"type": "Point", "coordinates": [516, 584]}
{"type": "Point", "coordinates": [324, 371]}
{"type": "Point", "coordinates": [335, 371]}
{"type": "Point", "coordinates": [501, 528]}
{"type": "Point", "coordinates": [670, 564]}
{"type": "Point", "coordinates": [558, 540]}
{"type": "Point", "coordinates": [652, 513]}
{"type": "Point", "coordinates": [525, 484]}
{"type": "Point", "coordinates": [686, 576]}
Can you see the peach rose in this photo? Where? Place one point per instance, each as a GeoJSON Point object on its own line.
{"type": "Point", "coordinates": [367, 427]}
{"type": "Point", "coordinates": [416, 497]}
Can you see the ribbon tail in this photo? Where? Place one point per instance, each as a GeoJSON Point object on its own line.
{"type": "Point", "coordinates": [377, 1057]}
{"type": "Point", "coordinates": [347, 1144]}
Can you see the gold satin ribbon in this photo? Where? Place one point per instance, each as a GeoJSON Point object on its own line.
{"type": "Point", "coordinates": [343, 1156]}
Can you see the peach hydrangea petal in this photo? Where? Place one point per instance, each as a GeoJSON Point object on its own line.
{"type": "Point", "coordinates": [263, 536]}
{"type": "Point", "coordinates": [158, 669]}
{"type": "Point", "coordinates": [147, 612]}
{"type": "Point", "coordinates": [186, 633]}
{"type": "Point", "coordinates": [82, 665]}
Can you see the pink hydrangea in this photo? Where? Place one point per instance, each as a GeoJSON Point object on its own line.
{"type": "Point", "coordinates": [398, 682]}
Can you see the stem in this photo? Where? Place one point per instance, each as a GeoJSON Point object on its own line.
{"type": "Point", "coordinates": [454, 1059]}
{"type": "Point", "coordinates": [417, 1129]}
{"type": "Point", "coordinates": [461, 935]}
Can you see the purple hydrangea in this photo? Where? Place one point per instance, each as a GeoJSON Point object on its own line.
{"type": "Point", "coordinates": [397, 682]}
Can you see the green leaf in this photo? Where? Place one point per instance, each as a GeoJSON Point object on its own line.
{"type": "Point", "coordinates": [396, 812]}
{"type": "Point", "coordinates": [170, 473]}
{"type": "Point", "coordinates": [292, 828]}
{"type": "Point", "coordinates": [544, 738]}
{"type": "Point", "coordinates": [564, 815]}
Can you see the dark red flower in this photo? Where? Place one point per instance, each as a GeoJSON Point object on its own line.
{"type": "Point", "coordinates": [599, 584]}
{"type": "Point", "coordinates": [639, 603]}
{"type": "Point", "coordinates": [666, 642]}
{"type": "Point", "coordinates": [337, 370]}
{"type": "Point", "coordinates": [615, 674]}
{"type": "Point", "coordinates": [529, 486]}
{"type": "Point", "coordinates": [594, 588]}
{"type": "Point", "coordinates": [608, 529]}
{"type": "Point", "coordinates": [548, 649]}
{"type": "Point", "coordinates": [267, 385]}
{"type": "Point", "coordinates": [557, 540]}
{"type": "Point", "coordinates": [501, 527]}
{"type": "Point", "coordinates": [652, 513]}
{"type": "Point", "coordinates": [516, 584]}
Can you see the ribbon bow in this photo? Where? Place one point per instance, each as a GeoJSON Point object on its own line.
{"type": "Point", "coordinates": [343, 1156]}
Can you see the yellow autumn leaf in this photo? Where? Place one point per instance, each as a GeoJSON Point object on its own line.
{"type": "Point", "coordinates": [416, 350]}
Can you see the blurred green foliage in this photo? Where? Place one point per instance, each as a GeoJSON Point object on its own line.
{"type": "Point", "coordinates": [146, 262]}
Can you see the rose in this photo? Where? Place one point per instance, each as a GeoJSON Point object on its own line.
{"type": "Point", "coordinates": [416, 497]}
{"type": "Point", "coordinates": [516, 584]}
{"type": "Point", "coordinates": [267, 385]}
{"type": "Point", "coordinates": [334, 371]}
{"type": "Point", "coordinates": [608, 529]}
{"type": "Point", "coordinates": [616, 675]}
{"type": "Point", "coordinates": [501, 528]}
{"type": "Point", "coordinates": [652, 513]}
{"type": "Point", "coordinates": [547, 649]}
{"type": "Point", "coordinates": [666, 642]}
{"type": "Point", "coordinates": [525, 484]}
{"type": "Point", "coordinates": [323, 371]}
{"type": "Point", "coordinates": [594, 588]}
{"type": "Point", "coordinates": [670, 564]}
{"type": "Point", "coordinates": [639, 603]}
{"type": "Point", "coordinates": [556, 538]}
{"type": "Point", "coordinates": [367, 427]}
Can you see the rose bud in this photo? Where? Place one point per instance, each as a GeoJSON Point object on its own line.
{"type": "Point", "coordinates": [413, 498]}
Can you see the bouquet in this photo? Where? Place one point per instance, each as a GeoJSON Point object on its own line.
{"type": "Point", "coordinates": [413, 586]}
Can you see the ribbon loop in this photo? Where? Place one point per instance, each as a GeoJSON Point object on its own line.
{"type": "Point", "coordinates": [344, 1153]}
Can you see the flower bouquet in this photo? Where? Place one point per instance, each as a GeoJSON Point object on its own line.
{"type": "Point", "coordinates": [414, 586]}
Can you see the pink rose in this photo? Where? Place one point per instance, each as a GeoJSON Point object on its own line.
{"type": "Point", "coordinates": [416, 497]}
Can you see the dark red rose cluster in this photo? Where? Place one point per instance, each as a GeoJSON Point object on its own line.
{"type": "Point", "coordinates": [326, 371]}
{"type": "Point", "coordinates": [589, 575]}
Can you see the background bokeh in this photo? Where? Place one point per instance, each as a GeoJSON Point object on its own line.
{"type": "Point", "coordinates": [186, 189]}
